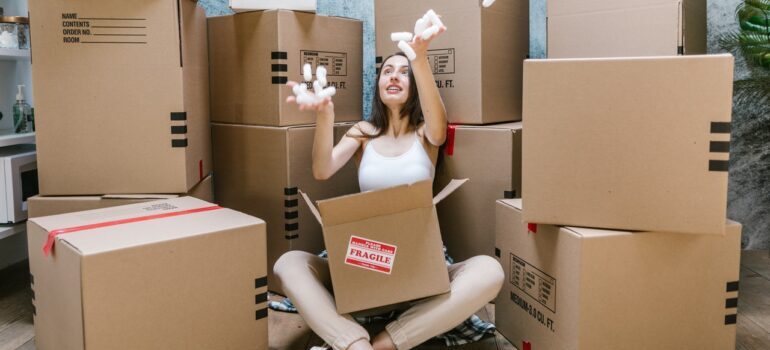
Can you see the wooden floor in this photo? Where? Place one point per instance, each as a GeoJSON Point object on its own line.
{"type": "Point", "coordinates": [289, 332]}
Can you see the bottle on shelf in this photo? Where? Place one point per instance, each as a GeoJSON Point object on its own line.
{"type": "Point", "coordinates": [21, 113]}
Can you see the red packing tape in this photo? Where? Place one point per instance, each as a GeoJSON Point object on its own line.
{"type": "Point", "coordinates": [525, 345]}
{"type": "Point", "coordinates": [532, 228]}
{"type": "Point", "coordinates": [52, 234]}
{"type": "Point", "coordinates": [450, 139]}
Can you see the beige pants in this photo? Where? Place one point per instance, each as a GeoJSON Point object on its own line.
{"type": "Point", "coordinates": [306, 281]}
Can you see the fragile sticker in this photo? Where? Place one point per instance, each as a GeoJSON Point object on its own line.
{"type": "Point", "coordinates": [371, 255]}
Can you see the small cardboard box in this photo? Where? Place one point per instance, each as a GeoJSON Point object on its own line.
{"type": "Point", "coordinates": [133, 113]}
{"type": "Point", "coordinates": [647, 140]}
{"type": "Point", "coordinates": [607, 28]}
{"type": "Point", "coordinates": [580, 288]}
{"type": "Point", "coordinates": [476, 63]}
{"type": "Point", "coordinates": [384, 246]}
{"type": "Point", "coordinates": [254, 54]}
{"type": "Point", "coordinates": [173, 274]}
{"type": "Point", "coordinates": [490, 156]}
{"type": "Point", "coordinates": [251, 5]}
{"type": "Point", "coordinates": [46, 206]}
{"type": "Point", "coordinates": [258, 170]}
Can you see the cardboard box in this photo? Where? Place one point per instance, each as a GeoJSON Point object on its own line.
{"type": "Point", "coordinates": [173, 274]}
{"type": "Point", "coordinates": [646, 139]}
{"type": "Point", "coordinates": [607, 28]}
{"type": "Point", "coordinates": [254, 54]}
{"type": "Point", "coordinates": [476, 62]}
{"type": "Point", "coordinates": [580, 288]}
{"type": "Point", "coordinates": [132, 116]}
{"type": "Point", "coordinates": [490, 156]}
{"type": "Point", "coordinates": [251, 5]}
{"type": "Point", "coordinates": [45, 206]}
{"type": "Point", "coordinates": [259, 170]}
{"type": "Point", "coordinates": [384, 245]}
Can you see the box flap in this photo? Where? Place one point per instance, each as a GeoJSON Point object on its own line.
{"type": "Point", "coordinates": [109, 229]}
{"type": "Point", "coordinates": [369, 204]}
{"type": "Point", "coordinates": [139, 196]}
{"type": "Point", "coordinates": [448, 189]}
{"type": "Point", "coordinates": [312, 207]}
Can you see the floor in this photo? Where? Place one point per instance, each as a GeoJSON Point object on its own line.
{"type": "Point", "coordinates": [289, 332]}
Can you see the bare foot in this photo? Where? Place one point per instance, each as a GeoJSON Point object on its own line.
{"type": "Point", "coordinates": [383, 342]}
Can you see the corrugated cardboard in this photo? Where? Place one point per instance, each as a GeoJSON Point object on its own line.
{"type": "Point", "coordinates": [188, 281]}
{"type": "Point", "coordinates": [476, 62]}
{"type": "Point", "coordinates": [579, 288]}
{"type": "Point", "coordinates": [608, 28]}
{"type": "Point", "coordinates": [251, 5]}
{"type": "Point", "coordinates": [132, 116]}
{"type": "Point", "coordinates": [646, 139]}
{"type": "Point", "coordinates": [253, 54]}
{"type": "Point", "coordinates": [399, 256]}
{"type": "Point", "coordinates": [46, 205]}
{"type": "Point", "coordinates": [258, 171]}
{"type": "Point", "coordinates": [490, 156]}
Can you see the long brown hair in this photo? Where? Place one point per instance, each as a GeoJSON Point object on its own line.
{"type": "Point", "coordinates": [411, 110]}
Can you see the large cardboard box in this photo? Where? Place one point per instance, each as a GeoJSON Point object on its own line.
{"type": "Point", "coordinates": [132, 115]}
{"type": "Point", "coordinates": [173, 274]}
{"type": "Point", "coordinates": [490, 157]}
{"type": "Point", "coordinates": [607, 28]}
{"type": "Point", "coordinates": [254, 54]}
{"type": "Point", "coordinates": [259, 170]}
{"type": "Point", "coordinates": [45, 206]}
{"type": "Point", "coordinates": [631, 143]}
{"type": "Point", "coordinates": [476, 62]}
{"type": "Point", "coordinates": [384, 245]}
{"type": "Point", "coordinates": [251, 5]}
{"type": "Point", "coordinates": [579, 288]}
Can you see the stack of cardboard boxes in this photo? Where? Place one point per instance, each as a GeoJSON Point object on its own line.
{"type": "Point", "coordinates": [122, 95]}
{"type": "Point", "coordinates": [620, 240]}
{"type": "Point", "coordinates": [263, 145]}
{"type": "Point", "coordinates": [477, 64]}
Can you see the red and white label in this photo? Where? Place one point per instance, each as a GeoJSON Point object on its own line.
{"type": "Point", "coordinates": [370, 255]}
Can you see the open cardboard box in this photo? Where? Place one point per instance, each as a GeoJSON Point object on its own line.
{"type": "Point", "coordinates": [384, 246]}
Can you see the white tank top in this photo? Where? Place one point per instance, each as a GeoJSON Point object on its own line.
{"type": "Point", "coordinates": [377, 171]}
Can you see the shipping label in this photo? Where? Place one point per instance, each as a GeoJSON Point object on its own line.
{"type": "Point", "coordinates": [442, 61]}
{"type": "Point", "coordinates": [534, 282]}
{"type": "Point", "coordinates": [78, 29]}
{"type": "Point", "coordinates": [336, 63]}
{"type": "Point", "coordinates": [371, 255]}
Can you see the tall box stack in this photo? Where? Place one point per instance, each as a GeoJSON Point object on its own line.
{"type": "Point", "coordinates": [477, 64]}
{"type": "Point", "coordinates": [263, 145]}
{"type": "Point", "coordinates": [610, 28]}
{"type": "Point", "coordinates": [638, 150]}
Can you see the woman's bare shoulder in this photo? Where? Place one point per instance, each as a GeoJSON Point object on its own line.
{"type": "Point", "coordinates": [362, 128]}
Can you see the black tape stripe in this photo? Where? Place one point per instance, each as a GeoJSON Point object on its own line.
{"type": "Point", "coordinates": [279, 67]}
{"type": "Point", "coordinates": [719, 165]}
{"type": "Point", "coordinates": [178, 129]}
{"type": "Point", "coordinates": [378, 59]}
{"type": "Point", "coordinates": [732, 286]}
{"type": "Point", "coordinates": [291, 227]}
{"type": "Point", "coordinates": [731, 303]}
{"type": "Point", "coordinates": [731, 319]}
{"type": "Point", "coordinates": [290, 203]}
{"type": "Point", "coordinates": [280, 80]}
{"type": "Point", "coordinates": [178, 115]}
{"type": "Point", "coordinates": [290, 215]}
{"type": "Point", "coordinates": [260, 282]}
{"type": "Point", "coordinates": [719, 146]}
{"type": "Point", "coordinates": [261, 313]}
{"type": "Point", "coordinates": [497, 252]}
{"type": "Point", "coordinates": [179, 143]}
{"type": "Point", "coordinates": [279, 55]}
{"type": "Point", "coordinates": [720, 127]}
{"type": "Point", "coordinates": [509, 194]}
{"type": "Point", "coordinates": [290, 191]}
{"type": "Point", "coordinates": [290, 237]}
{"type": "Point", "coordinates": [260, 298]}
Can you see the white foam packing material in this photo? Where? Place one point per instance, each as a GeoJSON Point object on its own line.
{"type": "Point", "coordinates": [408, 51]}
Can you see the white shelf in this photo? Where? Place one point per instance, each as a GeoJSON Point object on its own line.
{"type": "Point", "coordinates": [17, 139]}
{"type": "Point", "coordinates": [14, 54]}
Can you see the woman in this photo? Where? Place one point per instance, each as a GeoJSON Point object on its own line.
{"type": "Point", "coordinates": [398, 146]}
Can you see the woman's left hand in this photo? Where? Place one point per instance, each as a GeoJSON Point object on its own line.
{"type": "Point", "coordinates": [420, 45]}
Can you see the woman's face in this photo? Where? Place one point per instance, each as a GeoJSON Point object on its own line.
{"type": "Point", "coordinates": [394, 82]}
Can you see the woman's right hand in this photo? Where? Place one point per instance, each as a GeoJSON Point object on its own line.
{"type": "Point", "coordinates": [324, 107]}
